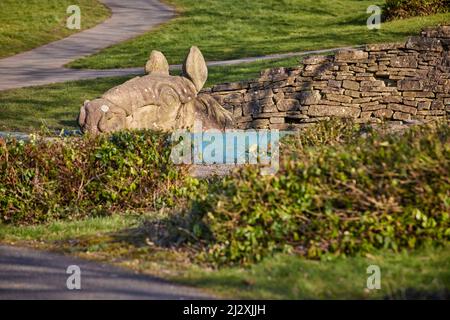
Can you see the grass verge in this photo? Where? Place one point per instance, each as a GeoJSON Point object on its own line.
{"type": "Point", "coordinates": [25, 25]}
{"type": "Point", "coordinates": [230, 29]}
{"type": "Point", "coordinates": [421, 274]}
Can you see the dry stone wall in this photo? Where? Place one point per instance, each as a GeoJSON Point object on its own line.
{"type": "Point", "coordinates": [399, 83]}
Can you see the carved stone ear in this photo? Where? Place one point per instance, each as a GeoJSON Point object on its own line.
{"type": "Point", "coordinates": [157, 63]}
{"type": "Point", "coordinates": [195, 69]}
{"type": "Point", "coordinates": [82, 116]}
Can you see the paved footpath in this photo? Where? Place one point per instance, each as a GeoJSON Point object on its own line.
{"type": "Point", "coordinates": [129, 19]}
{"type": "Point", "coordinates": [31, 274]}
{"type": "Point", "coordinates": [44, 65]}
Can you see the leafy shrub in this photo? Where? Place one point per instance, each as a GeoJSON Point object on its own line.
{"type": "Point", "coordinates": [337, 192]}
{"type": "Point", "coordinates": [400, 9]}
{"type": "Point", "coordinates": [71, 178]}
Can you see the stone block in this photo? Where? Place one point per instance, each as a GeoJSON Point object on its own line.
{"type": "Point", "coordinates": [231, 86]}
{"type": "Point", "coordinates": [309, 97]}
{"type": "Point", "coordinates": [352, 93]}
{"type": "Point", "coordinates": [276, 120]}
{"type": "Point", "coordinates": [333, 111]}
{"type": "Point", "coordinates": [312, 60]}
{"type": "Point", "coordinates": [351, 85]}
{"type": "Point", "coordinates": [338, 98]}
{"type": "Point", "coordinates": [384, 46]}
{"type": "Point", "coordinates": [437, 105]}
{"type": "Point", "coordinates": [424, 105]}
{"type": "Point", "coordinates": [350, 55]}
{"type": "Point", "coordinates": [401, 116]}
{"type": "Point", "coordinates": [404, 62]}
{"type": "Point", "coordinates": [288, 105]}
{"type": "Point", "coordinates": [424, 44]}
{"type": "Point", "coordinates": [402, 108]}
{"type": "Point", "coordinates": [260, 123]}
{"type": "Point", "coordinates": [383, 113]}
{"type": "Point", "coordinates": [237, 111]}
{"type": "Point", "coordinates": [410, 85]}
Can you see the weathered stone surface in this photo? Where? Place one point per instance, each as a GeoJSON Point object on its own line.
{"type": "Point", "coordinates": [233, 98]}
{"type": "Point", "coordinates": [366, 115]}
{"type": "Point", "coordinates": [411, 103]}
{"type": "Point", "coordinates": [157, 63]}
{"type": "Point", "coordinates": [438, 32]}
{"type": "Point", "coordinates": [288, 105]}
{"type": "Point", "coordinates": [351, 85]}
{"type": "Point", "coordinates": [424, 44]}
{"type": "Point", "coordinates": [383, 46]}
{"type": "Point", "coordinates": [339, 98]}
{"type": "Point", "coordinates": [261, 123]}
{"type": "Point", "coordinates": [334, 111]}
{"type": "Point", "coordinates": [309, 97]}
{"type": "Point", "coordinates": [243, 119]}
{"type": "Point", "coordinates": [270, 73]}
{"type": "Point", "coordinates": [372, 106]}
{"type": "Point", "coordinates": [383, 113]}
{"type": "Point", "coordinates": [270, 107]}
{"type": "Point", "coordinates": [315, 60]}
{"type": "Point", "coordinates": [437, 105]}
{"type": "Point", "coordinates": [278, 96]}
{"type": "Point", "coordinates": [276, 120]}
{"type": "Point", "coordinates": [230, 86]}
{"type": "Point", "coordinates": [371, 84]}
{"type": "Point", "coordinates": [410, 85]}
{"type": "Point", "coordinates": [404, 62]}
{"type": "Point", "coordinates": [351, 55]}
{"type": "Point", "coordinates": [401, 116]}
{"type": "Point", "coordinates": [432, 112]}
{"type": "Point", "coordinates": [237, 112]}
{"type": "Point", "coordinates": [352, 93]}
{"type": "Point", "coordinates": [402, 108]}
{"type": "Point", "coordinates": [296, 115]}
{"type": "Point", "coordinates": [392, 99]}
{"type": "Point", "coordinates": [157, 101]}
{"type": "Point", "coordinates": [195, 68]}
{"type": "Point", "coordinates": [334, 83]}
{"type": "Point", "coordinates": [250, 108]}
{"type": "Point", "coordinates": [418, 94]}
{"type": "Point", "coordinates": [424, 105]}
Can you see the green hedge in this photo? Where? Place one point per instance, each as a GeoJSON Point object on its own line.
{"type": "Point", "coordinates": [72, 178]}
{"type": "Point", "coordinates": [400, 9]}
{"type": "Point", "coordinates": [337, 193]}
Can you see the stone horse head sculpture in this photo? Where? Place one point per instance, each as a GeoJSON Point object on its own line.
{"type": "Point", "coordinates": [157, 100]}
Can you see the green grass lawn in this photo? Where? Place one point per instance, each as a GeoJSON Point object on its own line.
{"type": "Point", "coordinates": [25, 25]}
{"type": "Point", "coordinates": [423, 274]}
{"type": "Point", "coordinates": [117, 239]}
{"type": "Point", "coordinates": [229, 29]}
{"type": "Point", "coordinates": [56, 106]}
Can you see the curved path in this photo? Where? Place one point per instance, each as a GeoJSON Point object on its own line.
{"type": "Point", "coordinates": [31, 274]}
{"type": "Point", "coordinates": [129, 18]}
{"type": "Point", "coordinates": [45, 64]}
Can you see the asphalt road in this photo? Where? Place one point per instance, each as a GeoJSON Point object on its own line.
{"type": "Point", "coordinates": [32, 274]}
